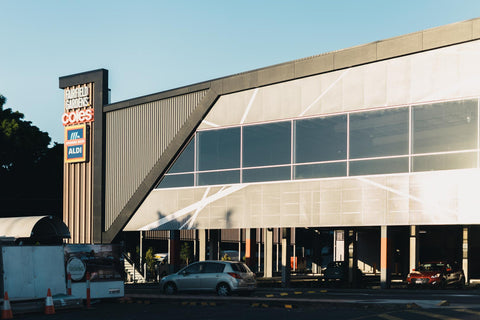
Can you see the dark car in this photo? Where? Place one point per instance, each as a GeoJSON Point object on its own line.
{"type": "Point", "coordinates": [436, 274]}
{"type": "Point", "coordinates": [338, 271]}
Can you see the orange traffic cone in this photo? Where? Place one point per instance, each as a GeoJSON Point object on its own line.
{"type": "Point", "coordinates": [6, 311]}
{"type": "Point", "coordinates": [49, 308]}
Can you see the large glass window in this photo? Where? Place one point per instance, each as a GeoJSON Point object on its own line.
{"type": "Point", "coordinates": [266, 144]}
{"type": "Point", "coordinates": [379, 133]}
{"type": "Point", "coordinates": [185, 161]}
{"type": "Point", "coordinates": [447, 161]}
{"type": "Point", "coordinates": [176, 181]}
{"type": "Point", "coordinates": [218, 149]}
{"type": "Point", "coordinates": [321, 139]}
{"type": "Point", "coordinates": [266, 174]}
{"type": "Point", "coordinates": [218, 177]}
{"type": "Point", "coordinates": [321, 170]}
{"type": "Point", "coordinates": [379, 166]}
{"type": "Point", "coordinates": [445, 126]}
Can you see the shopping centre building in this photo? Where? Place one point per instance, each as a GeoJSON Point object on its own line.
{"type": "Point", "coordinates": [368, 154]}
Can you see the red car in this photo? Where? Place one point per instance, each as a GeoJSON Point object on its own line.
{"type": "Point", "coordinates": [436, 274]}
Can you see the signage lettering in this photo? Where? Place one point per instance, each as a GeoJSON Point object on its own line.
{"type": "Point", "coordinates": [78, 116]}
{"type": "Point", "coordinates": [77, 98]}
{"type": "Point", "coordinates": [76, 143]}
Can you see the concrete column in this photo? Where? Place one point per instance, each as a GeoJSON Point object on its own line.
{"type": "Point", "coordinates": [465, 254]}
{"type": "Point", "coordinates": [140, 258]}
{"type": "Point", "coordinates": [240, 245]}
{"type": "Point", "coordinates": [202, 245]}
{"type": "Point", "coordinates": [259, 250]}
{"type": "Point", "coordinates": [250, 248]}
{"type": "Point", "coordinates": [384, 258]}
{"type": "Point", "coordinates": [352, 257]}
{"type": "Point", "coordinates": [174, 251]}
{"type": "Point", "coordinates": [214, 244]}
{"type": "Point", "coordinates": [414, 246]}
{"type": "Point", "coordinates": [339, 245]}
{"type": "Point", "coordinates": [286, 253]}
{"type": "Point", "coordinates": [268, 253]}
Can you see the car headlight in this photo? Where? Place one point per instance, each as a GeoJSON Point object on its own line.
{"type": "Point", "coordinates": [436, 275]}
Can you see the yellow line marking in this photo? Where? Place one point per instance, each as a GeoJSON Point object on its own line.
{"type": "Point", "coordinates": [468, 311]}
{"type": "Point", "coordinates": [288, 306]}
{"type": "Point", "coordinates": [284, 294]}
{"type": "Point", "coordinates": [193, 303]}
{"type": "Point", "coordinates": [255, 304]}
{"type": "Point", "coordinates": [204, 303]}
{"type": "Point", "coordinates": [269, 295]}
{"type": "Point", "coordinates": [298, 292]}
{"type": "Point", "coordinates": [184, 303]}
{"type": "Point", "coordinates": [213, 304]}
{"type": "Point", "coordinates": [432, 315]}
{"type": "Point", "coordinates": [388, 316]}
{"type": "Point", "coordinates": [264, 305]}
{"type": "Point", "coordinates": [323, 291]}
{"type": "Point", "coordinates": [310, 291]}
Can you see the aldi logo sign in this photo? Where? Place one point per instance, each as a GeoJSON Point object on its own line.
{"type": "Point", "coordinates": [76, 143]}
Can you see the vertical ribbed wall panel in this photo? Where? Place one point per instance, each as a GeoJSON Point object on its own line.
{"type": "Point", "coordinates": [136, 137]}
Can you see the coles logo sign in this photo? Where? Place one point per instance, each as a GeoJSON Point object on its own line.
{"type": "Point", "coordinates": [77, 106]}
{"type": "Point", "coordinates": [77, 116]}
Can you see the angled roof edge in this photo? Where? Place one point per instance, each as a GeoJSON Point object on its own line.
{"type": "Point", "coordinates": [411, 43]}
{"type": "Point", "coordinates": [161, 165]}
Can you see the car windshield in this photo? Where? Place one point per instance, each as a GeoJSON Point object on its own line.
{"type": "Point", "coordinates": [431, 267]}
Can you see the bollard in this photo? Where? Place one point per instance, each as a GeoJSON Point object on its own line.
{"type": "Point", "coordinates": [88, 289]}
{"type": "Point", "coordinates": [69, 284]}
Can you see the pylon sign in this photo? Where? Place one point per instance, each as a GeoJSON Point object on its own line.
{"type": "Point", "coordinates": [76, 144]}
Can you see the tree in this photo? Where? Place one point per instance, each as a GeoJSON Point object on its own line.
{"type": "Point", "coordinates": [185, 253]}
{"type": "Point", "coordinates": [30, 172]}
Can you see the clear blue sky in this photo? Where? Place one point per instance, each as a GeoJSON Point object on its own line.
{"type": "Point", "coordinates": [152, 46]}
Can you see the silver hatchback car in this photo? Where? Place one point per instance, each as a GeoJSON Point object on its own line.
{"type": "Point", "coordinates": [222, 277]}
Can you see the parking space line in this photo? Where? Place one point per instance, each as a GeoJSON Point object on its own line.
{"type": "Point", "coordinates": [432, 315]}
{"type": "Point", "coordinates": [468, 311]}
{"type": "Point", "coordinates": [284, 294]}
{"type": "Point", "coordinates": [388, 316]}
{"type": "Point", "coordinates": [269, 295]}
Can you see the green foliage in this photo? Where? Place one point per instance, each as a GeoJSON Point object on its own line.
{"type": "Point", "coordinates": [185, 252]}
{"type": "Point", "coordinates": [226, 257]}
{"type": "Point", "coordinates": [150, 259]}
{"type": "Point", "coordinates": [31, 173]}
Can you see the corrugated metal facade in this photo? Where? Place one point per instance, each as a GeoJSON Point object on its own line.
{"type": "Point", "coordinates": [136, 137]}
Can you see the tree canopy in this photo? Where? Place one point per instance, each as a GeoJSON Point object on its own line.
{"type": "Point", "coordinates": [30, 171]}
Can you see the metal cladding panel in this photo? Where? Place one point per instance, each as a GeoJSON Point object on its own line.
{"type": "Point", "coordinates": [136, 137]}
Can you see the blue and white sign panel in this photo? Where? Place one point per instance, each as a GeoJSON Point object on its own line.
{"type": "Point", "coordinates": [76, 143]}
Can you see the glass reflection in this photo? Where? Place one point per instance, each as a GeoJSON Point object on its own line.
{"type": "Point", "coordinates": [321, 139]}
{"type": "Point", "coordinates": [379, 133]}
{"type": "Point", "coordinates": [266, 144]}
{"type": "Point", "coordinates": [218, 149]}
{"type": "Point", "coordinates": [445, 126]}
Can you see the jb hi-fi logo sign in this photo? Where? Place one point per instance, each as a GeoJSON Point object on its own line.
{"type": "Point", "coordinates": [78, 105]}
{"type": "Point", "coordinates": [76, 143]}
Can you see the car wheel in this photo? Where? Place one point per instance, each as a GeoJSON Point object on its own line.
{"type": "Point", "coordinates": [223, 290]}
{"type": "Point", "coordinates": [170, 288]}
